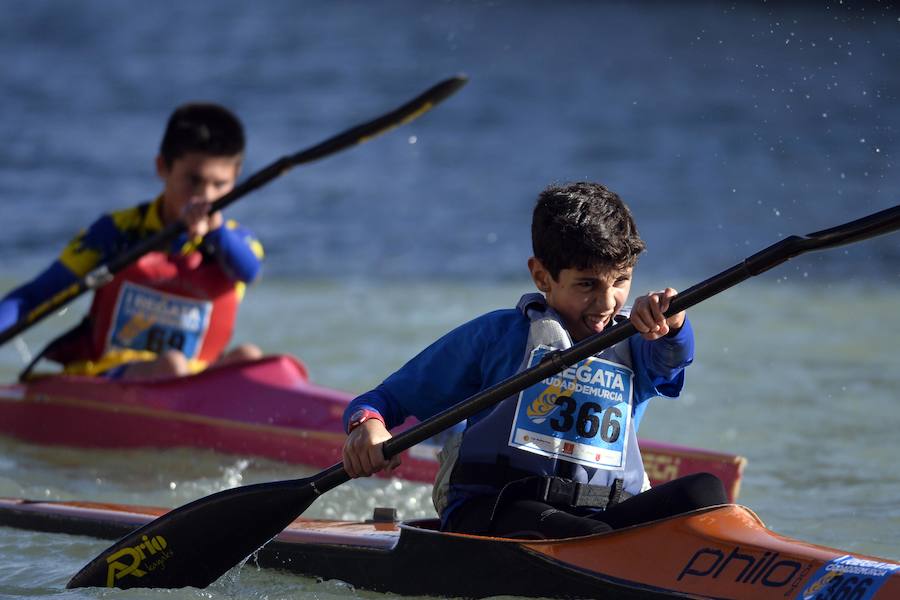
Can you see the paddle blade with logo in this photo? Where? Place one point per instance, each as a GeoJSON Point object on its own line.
{"type": "Point", "coordinates": [195, 544]}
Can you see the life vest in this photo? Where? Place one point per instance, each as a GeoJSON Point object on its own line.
{"type": "Point", "coordinates": [587, 436]}
{"type": "Point", "coordinates": [160, 302]}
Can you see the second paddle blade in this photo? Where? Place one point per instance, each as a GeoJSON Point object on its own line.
{"type": "Point", "coordinates": [197, 543]}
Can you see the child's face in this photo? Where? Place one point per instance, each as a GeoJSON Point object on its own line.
{"type": "Point", "coordinates": [586, 299]}
{"type": "Point", "coordinates": [195, 177]}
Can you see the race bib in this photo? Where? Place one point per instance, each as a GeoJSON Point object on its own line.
{"type": "Point", "coordinates": [581, 415]}
{"type": "Point", "coordinates": [147, 319]}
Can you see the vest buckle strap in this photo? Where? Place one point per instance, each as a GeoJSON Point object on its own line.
{"type": "Point", "coordinates": [560, 492]}
{"type": "Point", "coordinates": [563, 492]}
{"type": "Point", "coordinates": [617, 492]}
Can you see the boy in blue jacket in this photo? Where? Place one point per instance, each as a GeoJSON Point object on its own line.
{"type": "Point", "coordinates": [560, 459]}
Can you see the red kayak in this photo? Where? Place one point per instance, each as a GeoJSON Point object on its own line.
{"type": "Point", "coordinates": [266, 408]}
{"type": "Point", "coordinates": [713, 553]}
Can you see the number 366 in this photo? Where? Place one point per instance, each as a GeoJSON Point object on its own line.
{"type": "Point", "coordinates": [588, 422]}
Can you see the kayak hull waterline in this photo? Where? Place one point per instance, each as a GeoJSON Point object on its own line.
{"type": "Point", "coordinates": [719, 552]}
{"type": "Point", "coordinates": [266, 408]}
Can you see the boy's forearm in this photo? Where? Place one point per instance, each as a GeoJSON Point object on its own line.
{"type": "Point", "coordinates": [234, 248]}
{"type": "Point", "coordinates": [672, 353]}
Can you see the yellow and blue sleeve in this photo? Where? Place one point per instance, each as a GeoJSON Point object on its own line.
{"type": "Point", "coordinates": [103, 239]}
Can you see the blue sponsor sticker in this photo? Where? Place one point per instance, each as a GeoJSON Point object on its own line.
{"type": "Point", "coordinates": [848, 577]}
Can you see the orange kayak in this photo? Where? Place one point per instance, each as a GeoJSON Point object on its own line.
{"type": "Point", "coordinates": [719, 552]}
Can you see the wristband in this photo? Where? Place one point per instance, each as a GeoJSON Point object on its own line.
{"type": "Point", "coordinates": [361, 416]}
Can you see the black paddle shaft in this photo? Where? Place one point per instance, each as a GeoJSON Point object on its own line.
{"type": "Point", "coordinates": [101, 275]}
{"type": "Point", "coordinates": [197, 543]}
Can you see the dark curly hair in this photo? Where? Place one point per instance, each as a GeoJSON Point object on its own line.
{"type": "Point", "coordinates": [202, 127]}
{"type": "Point", "coordinates": [583, 225]}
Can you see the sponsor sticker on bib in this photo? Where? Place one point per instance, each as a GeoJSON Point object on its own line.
{"type": "Point", "coordinates": [581, 415]}
{"type": "Point", "coordinates": [148, 319]}
{"type": "Point", "coordinates": [848, 577]}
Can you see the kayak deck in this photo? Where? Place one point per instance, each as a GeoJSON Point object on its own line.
{"type": "Point", "coordinates": [719, 552]}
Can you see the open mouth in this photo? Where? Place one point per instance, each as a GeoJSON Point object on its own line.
{"type": "Point", "coordinates": [596, 323]}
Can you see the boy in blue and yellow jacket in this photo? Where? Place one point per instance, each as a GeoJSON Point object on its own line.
{"type": "Point", "coordinates": [172, 312]}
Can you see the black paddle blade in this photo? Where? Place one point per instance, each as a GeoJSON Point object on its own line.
{"type": "Point", "coordinates": [197, 543]}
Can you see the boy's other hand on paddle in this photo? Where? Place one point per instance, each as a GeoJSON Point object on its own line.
{"type": "Point", "coordinates": [647, 314]}
{"type": "Point", "coordinates": [362, 452]}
